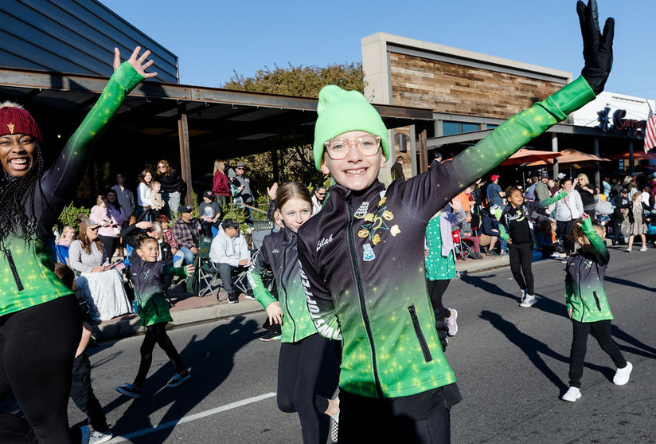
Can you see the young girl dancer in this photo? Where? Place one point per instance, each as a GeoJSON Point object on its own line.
{"type": "Point", "coordinates": [441, 263]}
{"type": "Point", "coordinates": [587, 305]}
{"type": "Point", "coordinates": [302, 348]}
{"type": "Point", "coordinates": [518, 233]}
{"type": "Point", "coordinates": [148, 278]}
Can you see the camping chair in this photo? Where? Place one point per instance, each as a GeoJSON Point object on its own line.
{"type": "Point", "coordinates": [62, 253]}
{"type": "Point", "coordinates": [461, 249]}
{"type": "Point", "coordinates": [207, 274]}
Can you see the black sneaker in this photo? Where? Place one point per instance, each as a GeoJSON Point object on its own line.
{"type": "Point", "coordinates": [492, 253]}
{"type": "Point", "coordinates": [233, 298]}
{"type": "Point", "coordinates": [129, 390]}
{"type": "Point", "coordinates": [271, 335]}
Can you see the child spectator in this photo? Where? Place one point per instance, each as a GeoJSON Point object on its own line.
{"type": "Point", "coordinates": [210, 213]}
{"type": "Point", "coordinates": [490, 228]}
{"type": "Point", "coordinates": [638, 221]}
{"type": "Point", "coordinates": [587, 305]}
{"type": "Point", "coordinates": [68, 233]}
{"type": "Point", "coordinates": [147, 275]}
{"type": "Point", "coordinates": [156, 198]}
{"type": "Point", "coordinates": [546, 240]}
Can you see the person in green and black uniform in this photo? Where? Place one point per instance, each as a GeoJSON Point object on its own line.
{"type": "Point", "coordinates": [587, 305]}
{"type": "Point", "coordinates": [148, 275]}
{"type": "Point", "coordinates": [517, 231]}
{"type": "Point", "coordinates": [362, 257]}
{"type": "Point", "coordinates": [40, 323]}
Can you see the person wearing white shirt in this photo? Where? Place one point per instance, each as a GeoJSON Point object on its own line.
{"type": "Point", "coordinates": [144, 203]}
{"type": "Point", "coordinates": [318, 198]}
{"type": "Point", "coordinates": [229, 251]}
{"type": "Point", "coordinates": [567, 211]}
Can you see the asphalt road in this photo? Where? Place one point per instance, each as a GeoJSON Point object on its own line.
{"type": "Point", "coordinates": [511, 364]}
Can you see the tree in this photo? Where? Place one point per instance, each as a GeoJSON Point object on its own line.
{"type": "Point", "coordinates": [295, 162]}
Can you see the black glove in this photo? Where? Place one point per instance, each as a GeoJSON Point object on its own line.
{"type": "Point", "coordinates": [442, 332]}
{"type": "Point", "coordinates": [597, 47]}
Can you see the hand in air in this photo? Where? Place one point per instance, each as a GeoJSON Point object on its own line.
{"type": "Point", "coordinates": [597, 47]}
{"type": "Point", "coordinates": [272, 191]}
{"type": "Point", "coordinates": [139, 63]}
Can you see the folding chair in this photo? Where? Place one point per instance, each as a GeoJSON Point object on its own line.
{"type": "Point", "coordinates": [207, 274]}
{"type": "Point", "coordinates": [461, 249]}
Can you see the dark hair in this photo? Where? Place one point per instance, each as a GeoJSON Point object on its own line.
{"type": "Point", "coordinates": [292, 190]}
{"type": "Point", "coordinates": [142, 239]}
{"type": "Point", "coordinates": [577, 230]}
{"type": "Point", "coordinates": [14, 194]}
{"type": "Point", "coordinates": [545, 227]}
{"type": "Point", "coordinates": [66, 275]}
{"type": "Point", "coordinates": [116, 204]}
{"type": "Point", "coordinates": [511, 190]}
{"type": "Point", "coordinates": [142, 176]}
{"type": "Point", "coordinates": [399, 158]}
{"type": "Point", "coordinates": [563, 180]}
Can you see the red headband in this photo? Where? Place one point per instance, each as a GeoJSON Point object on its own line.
{"type": "Point", "coordinates": [14, 119]}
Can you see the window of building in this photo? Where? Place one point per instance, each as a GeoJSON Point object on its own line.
{"type": "Point", "coordinates": [451, 128]}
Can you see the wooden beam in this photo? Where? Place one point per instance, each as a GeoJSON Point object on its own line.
{"type": "Point", "coordinates": [185, 154]}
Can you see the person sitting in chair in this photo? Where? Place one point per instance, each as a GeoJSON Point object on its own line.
{"type": "Point", "coordinates": [229, 252]}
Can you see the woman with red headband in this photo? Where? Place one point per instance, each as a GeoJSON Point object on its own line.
{"type": "Point", "coordinates": [34, 363]}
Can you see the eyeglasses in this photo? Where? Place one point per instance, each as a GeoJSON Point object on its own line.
{"type": "Point", "coordinates": [339, 148]}
{"type": "Point", "coordinates": [321, 194]}
{"type": "Point", "coordinates": [239, 168]}
{"type": "Point", "coordinates": [161, 167]}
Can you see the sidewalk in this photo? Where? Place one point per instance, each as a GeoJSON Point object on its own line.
{"type": "Point", "coordinates": [189, 309]}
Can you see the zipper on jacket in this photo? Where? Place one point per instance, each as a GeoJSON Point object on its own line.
{"type": "Point", "coordinates": [282, 284]}
{"type": "Point", "coordinates": [14, 271]}
{"type": "Point", "coordinates": [596, 298]}
{"type": "Point", "coordinates": [363, 309]}
{"type": "Point", "coordinates": [420, 334]}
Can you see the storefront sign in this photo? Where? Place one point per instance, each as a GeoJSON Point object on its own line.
{"type": "Point", "coordinates": [619, 123]}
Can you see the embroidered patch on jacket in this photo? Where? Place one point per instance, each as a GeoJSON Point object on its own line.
{"type": "Point", "coordinates": [369, 254]}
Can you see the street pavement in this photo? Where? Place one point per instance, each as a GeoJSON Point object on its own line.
{"type": "Point", "coordinates": [511, 364]}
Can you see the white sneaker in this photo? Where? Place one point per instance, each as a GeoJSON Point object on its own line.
{"type": "Point", "coordinates": [628, 250]}
{"type": "Point", "coordinates": [571, 395]}
{"type": "Point", "coordinates": [522, 298]}
{"type": "Point", "coordinates": [451, 322]}
{"type": "Point", "coordinates": [100, 437]}
{"type": "Point", "coordinates": [529, 301]}
{"type": "Point", "coordinates": [622, 374]}
{"type": "Point", "coordinates": [643, 249]}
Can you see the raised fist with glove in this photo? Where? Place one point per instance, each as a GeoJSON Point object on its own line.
{"type": "Point", "coordinates": [597, 47]}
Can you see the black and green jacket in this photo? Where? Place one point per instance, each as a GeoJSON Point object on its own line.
{"type": "Point", "coordinates": [279, 254]}
{"type": "Point", "coordinates": [362, 260]}
{"type": "Point", "coordinates": [512, 217]}
{"type": "Point", "coordinates": [584, 282]}
{"type": "Point", "coordinates": [148, 279]}
{"type": "Point", "coordinates": [26, 269]}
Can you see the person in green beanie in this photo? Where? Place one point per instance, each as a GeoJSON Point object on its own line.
{"type": "Point", "coordinates": [362, 257]}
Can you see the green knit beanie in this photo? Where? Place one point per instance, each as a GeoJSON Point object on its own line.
{"type": "Point", "coordinates": [341, 111]}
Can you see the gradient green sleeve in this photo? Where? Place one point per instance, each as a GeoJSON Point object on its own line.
{"type": "Point", "coordinates": [598, 244]}
{"type": "Point", "coordinates": [170, 270]}
{"type": "Point", "coordinates": [260, 291]}
{"type": "Point", "coordinates": [503, 234]}
{"type": "Point", "coordinates": [545, 203]}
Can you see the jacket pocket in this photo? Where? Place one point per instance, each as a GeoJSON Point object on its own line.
{"type": "Point", "coordinates": [14, 270]}
{"type": "Point", "coordinates": [596, 298]}
{"type": "Point", "coordinates": [420, 334]}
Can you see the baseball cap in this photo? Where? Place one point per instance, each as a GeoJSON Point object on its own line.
{"type": "Point", "coordinates": [240, 165]}
{"type": "Point", "coordinates": [208, 194]}
{"type": "Point", "coordinates": [529, 196]}
{"type": "Point", "coordinates": [185, 209]}
{"type": "Point", "coordinates": [87, 223]}
{"type": "Point", "coordinates": [494, 177]}
{"type": "Point", "coordinates": [229, 223]}
{"type": "Point", "coordinates": [624, 191]}
{"type": "Point", "coordinates": [545, 175]}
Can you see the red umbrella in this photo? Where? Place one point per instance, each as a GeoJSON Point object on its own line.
{"type": "Point", "coordinates": [525, 155]}
{"type": "Point", "coordinates": [571, 156]}
{"type": "Point", "coordinates": [637, 155]}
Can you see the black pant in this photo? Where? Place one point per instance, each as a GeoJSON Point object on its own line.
{"type": "Point", "coordinates": [521, 261]}
{"type": "Point", "coordinates": [371, 420]}
{"type": "Point", "coordinates": [156, 334]}
{"type": "Point", "coordinates": [298, 370]}
{"type": "Point", "coordinates": [617, 228]}
{"type": "Point", "coordinates": [601, 332]}
{"type": "Point", "coordinates": [82, 394]}
{"type": "Point", "coordinates": [37, 349]}
{"type": "Point", "coordinates": [564, 229]}
{"type": "Point", "coordinates": [436, 291]}
{"type": "Point", "coordinates": [207, 227]}
{"type": "Point", "coordinates": [109, 245]}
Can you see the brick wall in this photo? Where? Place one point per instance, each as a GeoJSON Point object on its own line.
{"type": "Point", "coordinates": [457, 89]}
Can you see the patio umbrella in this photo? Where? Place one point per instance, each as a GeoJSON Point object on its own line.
{"type": "Point", "coordinates": [637, 155]}
{"type": "Point", "coordinates": [525, 155]}
{"type": "Point", "coordinates": [570, 156]}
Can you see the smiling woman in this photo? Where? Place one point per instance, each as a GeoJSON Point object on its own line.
{"type": "Point", "coordinates": [34, 303]}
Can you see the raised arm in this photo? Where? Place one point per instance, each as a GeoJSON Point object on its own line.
{"type": "Point", "coordinates": [64, 176]}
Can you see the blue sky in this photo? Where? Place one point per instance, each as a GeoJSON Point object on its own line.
{"type": "Point", "coordinates": [213, 39]}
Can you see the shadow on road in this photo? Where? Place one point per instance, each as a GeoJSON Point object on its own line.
{"type": "Point", "coordinates": [629, 283]}
{"type": "Point", "coordinates": [479, 281]}
{"type": "Point", "coordinates": [211, 361]}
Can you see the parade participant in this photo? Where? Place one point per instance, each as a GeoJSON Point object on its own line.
{"type": "Point", "coordinates": [37, 311]}
{"type": "Point", "coordinates": [361, 256]}
{"type": "Point", "coordinates": [517, 230]}
{"type": "Point", "coordinates": [302, 349]}
{"type": "Point", "coordinates": [441, 263]}
{"type": "Point", "coordinates": [148, 275]}
{"type": "Point", "coordinates": [587, 305]}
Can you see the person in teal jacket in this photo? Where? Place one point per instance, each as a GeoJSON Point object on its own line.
{"type": "Point", "coordinates": [40, 323]}
{"type": "Point", "coordinates": [587, 304]}
{"type": "Point", "coordinates": [362, 257]}
{"type": "Point", "coordinates": [302, 349]}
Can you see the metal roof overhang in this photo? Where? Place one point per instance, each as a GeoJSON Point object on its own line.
{"type": "Point", "coordinates": [221, 123]}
